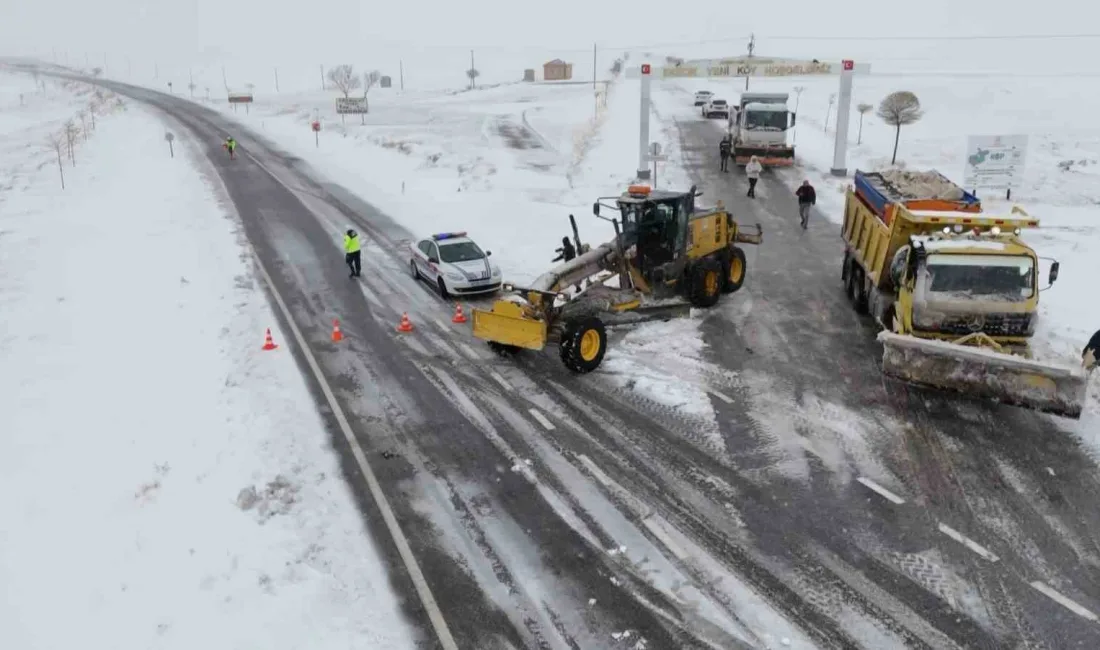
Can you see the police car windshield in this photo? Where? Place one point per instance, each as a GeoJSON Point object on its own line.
{"type": "Point", "coordinates": [464, 251]}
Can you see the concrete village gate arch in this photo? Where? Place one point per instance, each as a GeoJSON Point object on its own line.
{"type": "Point", "coordinates": [751, 66]}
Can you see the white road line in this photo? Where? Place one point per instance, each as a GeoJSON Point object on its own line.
{"type": "Point", "coordinates": [725, 398]}
{"type": "Point", "coordinates": [542, 419]}
{"type": "Point", "coordinates": [440, 325]}
{"type": "Point", "coordinates": [427, 599]}
{"type": "Point", "coordinates": [655, 525]}
{"type": "Point", "coordinates": [501, 380]}
{"type": "Point", "coordinates": [470, 351]}
{"type": "Point", "coordinates": [883, 492]}
{"type": "Point", "coordinates": [1063, 601]}
{"type": "Point", "coordinates": [968, 543]}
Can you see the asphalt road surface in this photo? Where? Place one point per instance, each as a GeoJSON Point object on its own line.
{"type": "Point", "coordinates": [552, 511]}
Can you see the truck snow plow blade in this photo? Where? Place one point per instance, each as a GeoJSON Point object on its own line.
{"type": "Point", "coordinates": [984, 373]}
{"type": "Point", "coordinates": [768, 157]}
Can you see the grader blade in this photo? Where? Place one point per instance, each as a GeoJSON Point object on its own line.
{"type": "Point", "coordinates": [984, 373]}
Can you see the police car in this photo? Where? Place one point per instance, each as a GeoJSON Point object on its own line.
{"type": "Point", "coordinates": [454, 264]}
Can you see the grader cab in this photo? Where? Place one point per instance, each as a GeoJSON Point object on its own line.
{"type": "Point", "coordinates": [667, 256]}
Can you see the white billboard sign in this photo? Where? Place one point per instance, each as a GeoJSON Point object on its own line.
{"type": "Point", "coordinates": [994, 162]}
{"type": "Point", "coordinates": [351, 105]}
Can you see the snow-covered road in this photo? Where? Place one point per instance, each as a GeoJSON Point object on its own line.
{"type": "Point", "coordinates": [164, 482]}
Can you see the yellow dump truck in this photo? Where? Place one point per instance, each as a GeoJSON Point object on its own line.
{"type": "Point", "coordinates": [956, 291]}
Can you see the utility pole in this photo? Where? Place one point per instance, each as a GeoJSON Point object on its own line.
{"type": "Point", "coordinates": [401, 73]}
{"type": "Point", "coordinates": [191, 82]}
{"type": "Point", "coordinates": [472, 68]}
{"type": "Point", "coordinates": [276, 79]}
{"type": "Point", "coordinates": [322, 76]}
{"type": "Point", "coordinates": [593, 66]}
{"type": "Point", "coordinates": [225, 82]}
{"type": "Point", "coordinates": [752, 48]}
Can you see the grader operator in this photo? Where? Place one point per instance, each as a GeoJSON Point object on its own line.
{"type": "Point", "coordinates": [668, 255]}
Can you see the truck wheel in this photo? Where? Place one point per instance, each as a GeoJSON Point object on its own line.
{"type": "Point", "coordinates": [856, 292]}
{"type": "Point", "coordinates": [734, 270]}
{"type": "Point", "coordinates": [844, 269]}
{"type": "Point", "coordinates": [705, 282]}
{"type": "Point", "coordinates": [583, 344]}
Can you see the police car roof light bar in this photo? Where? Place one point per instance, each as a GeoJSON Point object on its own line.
{"type": "Point", "coordinates": [448, 235]}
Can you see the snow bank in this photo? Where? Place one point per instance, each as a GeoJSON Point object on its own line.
{"type": "Point", "coordinates": [163, 481]}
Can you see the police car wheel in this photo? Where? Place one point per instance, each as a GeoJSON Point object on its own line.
{"type": "Point", "coordinates": [443, 293]}
{"type": "Point", "coordinates": [415, 271]}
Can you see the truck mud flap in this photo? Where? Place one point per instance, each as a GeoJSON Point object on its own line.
{"type": "Point", "coordinates": [507, 325]}
{"type": "Point", "coordinates": [982, 373]}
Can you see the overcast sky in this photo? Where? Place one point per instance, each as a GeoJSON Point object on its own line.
{"type": "Point", "coordinates": [333, 29]}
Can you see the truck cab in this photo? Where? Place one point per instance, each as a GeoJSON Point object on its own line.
{"type": "Point", "coordinates": [955, 284]}
{"type": "Point", "coordinates": [763, 124]}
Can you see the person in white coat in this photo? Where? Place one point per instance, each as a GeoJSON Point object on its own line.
{"type": "Point", "coordinates": [752, 170]}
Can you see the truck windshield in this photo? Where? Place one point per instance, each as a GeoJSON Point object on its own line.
{"type": "Point", "coordinates": [980, 277]}
{"type": "Point", "coordinates": [766, 120]}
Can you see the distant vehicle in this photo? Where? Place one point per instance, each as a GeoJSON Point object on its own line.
{"type": "Point", "coordinates": [702, 97]}
{"type": "Point", "coordinates": [454, 264]}
{"type": "Point", "coordinates": [716, 108]}
{"type": "Point", "coordinates": [763, 129]}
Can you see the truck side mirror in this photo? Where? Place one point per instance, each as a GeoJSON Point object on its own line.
{"type": "Point", "coordinates": [596, 208]}
{"type": "Point", "coordinates": [1053, 272]}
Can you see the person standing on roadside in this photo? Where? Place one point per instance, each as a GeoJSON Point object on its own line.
{"type": "Point", "coordinates": [752, 170]}
{"type": "Point", "coordinates": [724, 148]}
{"type": "Point", "coordinates": [1091, 354]}
{"type": "Point", "coordinates": [807, 197]}
{"type": "Point", "coordinates": [352, 253]}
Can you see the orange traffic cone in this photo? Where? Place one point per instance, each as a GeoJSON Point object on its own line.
{"type": "Point", "coordinates": [459, 316]}
{"type": "Point", "coordinates": [406, 325]}
{"type": "Point", "coordinates": [268, 343]}
{"type": "Point", "coordinates": [337, 335]}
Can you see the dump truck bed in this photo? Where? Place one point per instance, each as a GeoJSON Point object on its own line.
{"type": "Point", "coordinates": [883, 191]}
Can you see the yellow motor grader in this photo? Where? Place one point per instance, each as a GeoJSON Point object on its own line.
{"type": "Point", "coordinates": [668, 256]}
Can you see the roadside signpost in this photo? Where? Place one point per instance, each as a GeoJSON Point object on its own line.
{"type": "Point", "coordinates": [995, 162]}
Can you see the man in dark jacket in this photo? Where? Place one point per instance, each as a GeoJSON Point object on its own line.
{"type": "Point", "coordinates": [806, 198]}
{"type": "Point", "coordinates": [724, 148]}
{"type": "Point", "coordinates": [566, 252]}
{"type": "Point", "coordinates": [1091, 354]}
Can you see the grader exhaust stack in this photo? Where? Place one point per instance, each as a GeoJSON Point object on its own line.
{"type": "Point", "coordinates": [985, 373]}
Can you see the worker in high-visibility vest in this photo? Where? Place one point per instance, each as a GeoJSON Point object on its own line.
{"type": "Point", "coordinates": [352, 253]}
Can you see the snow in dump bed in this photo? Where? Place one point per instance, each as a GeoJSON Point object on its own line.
{"type": "Point", "coordinates": [903, 184]}
{"type": "Point", "coordinates": [163, 482]}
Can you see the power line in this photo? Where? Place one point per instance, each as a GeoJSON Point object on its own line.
{"type": "Point", "coordinates": [778, 37]}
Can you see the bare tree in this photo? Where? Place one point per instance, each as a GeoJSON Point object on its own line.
{"type": "Point", "coordinates": [370, 80]}
{"type": "Point", "coordinates": [83, 124]}
{"type": "Point", "coordinates": [863, 110]}
{"type": "Point", "coordinates": [70, 136]}
{"type": "Point", "coordinates": [472, 74]}
{"type": "Point", "coordinates": [898, 109]}
{"type": "Point", "coordinates": [55, 140]}
{"type": "Point", "coordinates": [345, 80]}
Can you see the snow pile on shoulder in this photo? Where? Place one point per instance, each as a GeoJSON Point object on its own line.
{"type": "Point", "coordinates": [164, 481]}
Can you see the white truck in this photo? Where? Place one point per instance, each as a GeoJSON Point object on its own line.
{"type": "Point", "coordinates": [762, 128]}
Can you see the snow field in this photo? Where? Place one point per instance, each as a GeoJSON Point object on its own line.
{"type": "Point", "coordinates": [164, 482]}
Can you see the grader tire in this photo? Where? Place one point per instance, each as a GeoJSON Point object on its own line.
{"type": "Point", "coordinates": [735, 267]}
{"type": "Point", "coordinates": [583, 344]}
{"type": "Point", "coordinates": [706, 280]}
